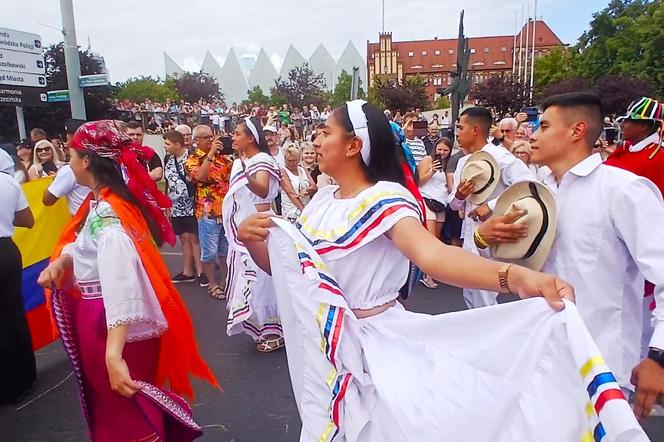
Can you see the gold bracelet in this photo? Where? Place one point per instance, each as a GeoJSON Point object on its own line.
{"type": "Point", "coordinates": [503, 274]}
{"type": "Point", "coordinates": [479, 241]}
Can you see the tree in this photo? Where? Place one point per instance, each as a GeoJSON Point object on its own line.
{"type": "Point", "coordinates": [618, 91]}
{"type": "Point", "coordinates": [302, 87]}
{"type": "Point", "coordinates": [627, 37]}
{"type": "Point", "coordinates": [410, 94]}
{"type": "Point", "coordinates": [503, 93]}
{"type": "Point", "coordinates": [52, 118]}
{"type": "Point", "coordinates": [143, 88]}
{"type": "Point", "coordinates": [555, 66]}
{"type": "Point", "coordinates": [256, 95]}
{"type": "Point", "coordinates": [342, 90]}
{"type": "Point", "coordinates": [443, 102]}
{"type": "Point", "coordinates": [564, 86]}
{"type": "Point", "coordinates": [193, 86]}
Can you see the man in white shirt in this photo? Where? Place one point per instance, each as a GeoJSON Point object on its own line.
{"type": "Point", "coordinates": [609, 236]}
{"type": "Point", "coordinates": [472, 134]}
{"type": "Point", "coordinates": [417, 147]}
{"type": "Point", "coordinates": [65, 185]}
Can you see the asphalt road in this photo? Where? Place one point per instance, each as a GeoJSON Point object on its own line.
{"type": "Point", "coordinates": [257, 403]}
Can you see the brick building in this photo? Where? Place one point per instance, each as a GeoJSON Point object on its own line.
{"type": "Point", "coordinates": [435, 59]}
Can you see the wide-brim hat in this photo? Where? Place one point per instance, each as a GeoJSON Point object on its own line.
{"type": "Point", "coordinates": [643, 109]}
{"type": "Point", "coordinates": [167, 412]}
{"type": "Point", "coordinates": [483, 170]}
{"type": "Point", "coordinates": [541, 217]}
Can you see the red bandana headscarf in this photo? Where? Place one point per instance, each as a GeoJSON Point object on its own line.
{"type": "Point", "coordinates": [103, 138]}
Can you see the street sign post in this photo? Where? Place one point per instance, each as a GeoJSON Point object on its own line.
{"type": "Point", "coordinates": [21, 72]}
{"type": "Point", "coordinates": [58, 96]}
{"type": "Point", "coordinates": [21, 79]}
{"type": "Point", "coordinates": [20, 41]}
{"type": "Point", "coordinates": [93, 80]}
{"type": "Point", "coordinates": [12, 61]}
{"type": "Point", "coordinates": [22, 96]}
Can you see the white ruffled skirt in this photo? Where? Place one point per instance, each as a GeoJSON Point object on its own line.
{"type": "Point", "coordinates": [513, 372]}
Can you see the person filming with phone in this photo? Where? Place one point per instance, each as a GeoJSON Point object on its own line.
{"type": "Point", "coordinates": [434, 188]}
{"type": "Point", "coordinates": [210, 169]}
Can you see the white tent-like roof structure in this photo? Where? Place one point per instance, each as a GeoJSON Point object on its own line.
{"type": "Point", "coordinates": [172, 68]}
{"type": "Point", "coordinates": [263, 74]}
{"type": "Point", "coordinates": [351, 58]}
{"type": "Point", "coordinates": [293, 60]}
{"type": "Point", "coordinates": [321, 62]}
{"type": "Point", "coordinates": [211, 66]}
{"type": "Point", "coordinates": [232, 81]}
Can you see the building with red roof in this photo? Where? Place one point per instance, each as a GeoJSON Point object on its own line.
{"type": "Point", "coordinates": [436, 59]}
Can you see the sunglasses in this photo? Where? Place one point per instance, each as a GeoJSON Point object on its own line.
{"type": "Point", "coordinates": [42, 149]}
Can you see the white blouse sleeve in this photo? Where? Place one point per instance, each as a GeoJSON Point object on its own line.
{"type": "Point", "coordinates": [126, 289]}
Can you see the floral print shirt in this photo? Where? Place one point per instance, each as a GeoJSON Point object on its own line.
{"type": "Point", "coordinates": [210, 193]}
{"type": "Point", "coordinates": [183, 205]}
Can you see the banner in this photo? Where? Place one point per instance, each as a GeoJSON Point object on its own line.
{"type": "Point", "coordinates": [36, 245]}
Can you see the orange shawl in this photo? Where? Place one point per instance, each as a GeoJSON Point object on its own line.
{"type": "Point", "coordinates": [178, 351]}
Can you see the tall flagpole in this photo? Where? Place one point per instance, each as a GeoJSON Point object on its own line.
{"type": "Point", "coordinates": [514, 44]}
{"type": "Point", "coordinates": [525, 56]}
{"type": "Point", "coordinates": [532, 61]}
{"type": "Point", "coordinates": [521, 45]}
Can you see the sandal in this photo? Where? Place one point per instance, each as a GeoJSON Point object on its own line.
{"type": "Point", "coordinates": [270, 345]}
{"type": "Point", "coordinates": [217, 293]}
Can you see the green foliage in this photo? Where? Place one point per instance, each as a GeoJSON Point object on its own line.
{"type": "Point", "coordinates": [410, 94]}
{"type": "Point", "coordinates": [505, 94]}
{"type": "Point", "coordinates": [555, 66]}
{"type": "Point", "coordinates": [342, 90]}
{"type": "Point", "coordinates": [142, 88]}
{"type": "Point", "coordinates": [256, 95]}
{"type": "Point", "coordinates": [193, 86]}
{"type": "Point", "coordinates": [302, 87]}
{"type": "Point", "coordinates": [442, 103]}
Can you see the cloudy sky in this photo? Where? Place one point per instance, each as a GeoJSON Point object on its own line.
{"type": "Point", "coordinates": [133, 34]}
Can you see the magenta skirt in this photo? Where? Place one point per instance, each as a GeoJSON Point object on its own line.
{"type": "Point", "coordinates": [110, 416]}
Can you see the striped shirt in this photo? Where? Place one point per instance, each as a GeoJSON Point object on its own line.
{"type": "Point", "coordinates": [417, 148]}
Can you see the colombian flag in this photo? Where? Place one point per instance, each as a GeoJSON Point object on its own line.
{"type": "Point", "coordinates": [36, 245]}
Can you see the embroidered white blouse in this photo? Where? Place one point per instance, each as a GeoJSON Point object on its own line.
{"type": "Point", "coordinates": [349, 234]}
{"type": "Point", "coordinates": [273, 189]}
{"type": "Point", "coordinates": [104, 252]}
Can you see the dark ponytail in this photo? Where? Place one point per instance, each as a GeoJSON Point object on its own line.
{"type": "Point", "coordinates": [386, 155]}
{"type": "Point", "coordinates": [109, 175]}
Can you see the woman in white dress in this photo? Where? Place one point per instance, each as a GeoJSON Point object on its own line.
{"type": "Point", "coordinates": [365, 369]}
{"type": "Point", "coordinates": [255, 177]}
{"type": "Point", "coordinates": [297, 185]}
{"type": "Point", "coordinates": [434, 189]}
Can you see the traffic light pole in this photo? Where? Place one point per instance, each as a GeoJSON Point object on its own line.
{"type": "Point", "coordinates": [72, 61]}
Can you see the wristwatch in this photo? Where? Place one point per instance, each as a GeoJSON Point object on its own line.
{"type": "Point", "coordinates": [656, 355]}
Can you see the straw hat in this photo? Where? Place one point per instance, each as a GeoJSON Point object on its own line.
{"type": "Point", "coordinates": [540, 205]}
{"type": "Point", "coordinates": [483, 170]}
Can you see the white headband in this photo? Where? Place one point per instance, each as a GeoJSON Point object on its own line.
{"type": "Point", "coordinates": [359, 122]}
{"type": "Point", "coordinates": [252, 129]}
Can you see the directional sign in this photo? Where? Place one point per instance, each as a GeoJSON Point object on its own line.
{"type": "Point", "coordinates": [58, 96]}
{"type": "Point", "coordinates": [22, 96]}
{"type": "Point", "coordinates": [93, 80]}
{"type": "Point", "coordinates": [12, 61]}
{"type": "Point", "coordinates": [21, 79]}
{"type": "Point", "coordinates": [20, 41]}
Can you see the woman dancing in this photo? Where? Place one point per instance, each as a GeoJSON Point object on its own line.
{"type": "Point", "coordinates": [365, 369]}
{"type": "Point", "coordinates": [255, 178]}
{"type": "Point", "coordinates": [120, 318]}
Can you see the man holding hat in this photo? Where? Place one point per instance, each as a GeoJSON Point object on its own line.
{"type": "Point", "coordinates": [609, 233]}
{"type": "Point", "coordinates": [479, 179]}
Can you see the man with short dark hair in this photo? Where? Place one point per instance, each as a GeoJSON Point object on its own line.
{"type": "Point", "coordinates": [472, 135]}
{"type": "Point", "coordinates": [609, 233]}
{"type": "Point", "coordinates": [152, 163]}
